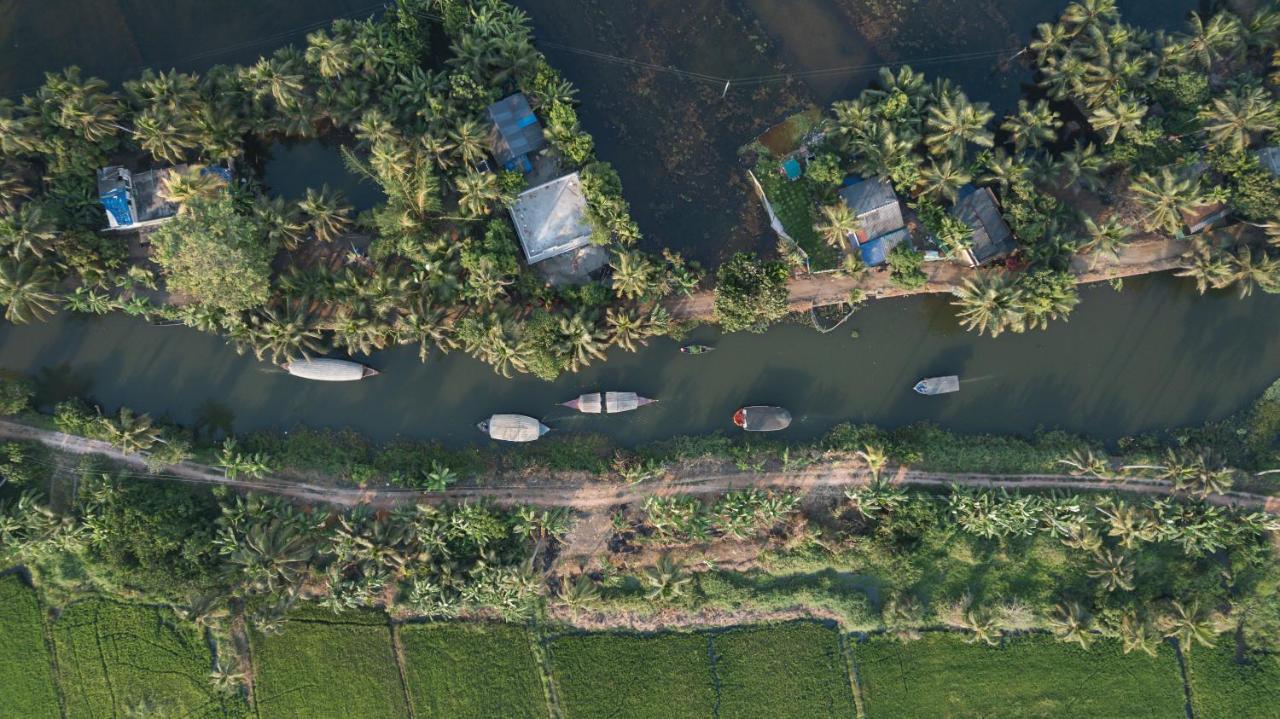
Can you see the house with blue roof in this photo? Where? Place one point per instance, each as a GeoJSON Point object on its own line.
{"type": "Point", "coordinates": [131, 199]}
{"type": "Point", "coordinates": [879, 214]}
{"type": "Point", "coordinates": [516, 132]}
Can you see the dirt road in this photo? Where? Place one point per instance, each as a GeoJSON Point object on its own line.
{"type": "Point", "coordinates": [1144, 256]}
{"type": "Point", "coordinates": [597, 495]}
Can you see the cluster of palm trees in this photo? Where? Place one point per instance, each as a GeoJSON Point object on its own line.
{"type": "Point", "coordinates": [994, 302]}
{"type": "Point", "coordinates": [1246, 268]}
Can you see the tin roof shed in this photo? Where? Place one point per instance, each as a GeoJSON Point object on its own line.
{"type": "Point", "coordinates": [992, 238]}
{"type": "Point", "coordinates": [876, 206]}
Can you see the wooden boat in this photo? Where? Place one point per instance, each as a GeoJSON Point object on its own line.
{"type": "Point", "coordinates": [938, 385]}
{"type": "Point", "coordinates": [513, 428]}
{"type": "Point", "coordinates": [696, 349]}
{"type": "Point", "coordinates": [324, 369]}
{"type": "Point", "coordinates": [762, 419]}
{"type": "Point", "coordinates": [614, 402]}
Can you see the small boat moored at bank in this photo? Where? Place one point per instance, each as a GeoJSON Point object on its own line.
{"type": "Point", "coordinates": [612, 402]}
{"type": "Point", "coordinates": [696, 349]}
{"type": "Point", "coordinates": [938, 385]}
{"type": "Point", "coordinates": [762, 419]}
{"type": "Point", "coordinates": [325, 369]}
{"type": "Point", "coordinates": [513, 428]}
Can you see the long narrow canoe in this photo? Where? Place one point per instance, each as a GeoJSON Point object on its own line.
{"type": "Point", "coordinates": [938, 385]}
{"type": "Point", "coordinates": [324, 369]}
{"type": "Point", "coordinates": [696, 349]}
{"type": "Point", "coordinates": [762, 419]}
{"type": "Point", "coordinates": [513, 428]}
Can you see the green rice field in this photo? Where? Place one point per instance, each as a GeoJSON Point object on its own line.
{"type": "Point", "coordinates": [605, 676]}
{"type": "Point", "coordinates": [327, 669]}
{"type": "Point", "coordinates": [118, 659]}
{"type": "Point", "coordinates": [793, 670]}
{"type": "Point", "coordinates": [27, 687]}
{"type": "Point", "coordinates": [1222, 688]}
{"type": "Point", "coordinates": [472, 671]}
{"type": "Point", "coordinates": [1030, 677]}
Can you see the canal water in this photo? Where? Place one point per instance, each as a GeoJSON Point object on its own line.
{"type": "Point", "coordinates": [1154, 355]}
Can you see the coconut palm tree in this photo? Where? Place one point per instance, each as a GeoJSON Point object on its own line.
{"type": "Point", "coordinates": [836, 225]}
{"type": "Point", "coordinates": [1189, 625]}
{"type": "Point", "coordinates": [131, 432]}
{"type": "Point", "coordinates": [1128, 525]}
{"type": "Point", "coordinates": [1084, 463]}
{"type": "Point", "coordinates": [27, 291]}
{"type": "Point", "coordinates": [1085, 13]}
{"type": "Point", "coordinates": [1070, 623]}
{"type": "Point", "coordinates": [633, 274]}
{"type": "Point", "coordinates": [158, 131]}
{"type": "Point", "coordinates": [477, 191]}
{"type": "Point", "coordinates": [943, 179]}
{"type": "Point", "coordinates": [582, 341]}
{"type": "Point", "coordinates": [284, 334]}
{"type": "Point", "coordinates": [982, 628]}
{"type": "Point", "coordinates": [281, 222]}
{"type": "Point", "coordinates": [274, 78]}
{"type": "Point", "coordinates": [470, 140]}
{"type": "Point", "coordinates": [1104, 238]}
{"type": "Point", "coordinates": [1208, 42]}
{"type": "Point", "coordinates": [1210, 268]}
{"type": "Point", "coordinates": [1032, 125]}
{"type": "Point", "coordinates": [1235, 117]}
{"type": "Point", "coordinates": [1114, 569]}
{"type": "Point", "coordinates": [988, 304]}
{"type": "Point", "coordinates": [1164, 198]}
{"type": "Point", "coordinates": [427, 325]}
{"type": "Point", "coordinates": [182, 187]}
{"type": "Point", "coordinates": [327, 213]}
{"type": "Point", "coordinates": [627, 328]}
{"type": "Point", "coordinates": [81, 106]}
{"type": "Point", "coordinates": [1249, 271]}
{"type": "Point", "coordinates": [1125, 116]}
{"type": "Point", "coordinates": [1137, 635]}
{"type": "Point", "coordinates": [28, 232]}
{"type": "Point", "coordinates": [330, 56]}
{"type": "Point", "coordinates": [953, 122]}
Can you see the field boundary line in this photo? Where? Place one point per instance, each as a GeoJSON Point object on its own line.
{"type": "Point", "coordinates": [851, 666]}
{"type": "Point", "coordinates": [540, 645]}
{"type": "Point", "coordinates": [397, 650]}
{"type": "Point", "coordinates": [1185, 671]}
{"type": "Point", "coordinates": [713, 664]}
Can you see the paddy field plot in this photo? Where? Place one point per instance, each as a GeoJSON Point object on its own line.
{"type": "Point", "coordinates": [778, 672]}
{"type": "Point", "coordinates": [27, 688]}
{"type": "Point", "coordinates": [608, 676]}
{"type": "Point", "coordinates": [472, 671]}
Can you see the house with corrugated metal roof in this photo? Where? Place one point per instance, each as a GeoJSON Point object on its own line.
{"type": "Point", "coordinates": [550, 219]}
{"type": "Point", "coordinates": [131, 199]}
{"type": "Point", "coordinates": [516, 132]}
{"type": "Point", "coordinates": [992, 238]}
{"type": "Point", "coordinates": [879, 214]}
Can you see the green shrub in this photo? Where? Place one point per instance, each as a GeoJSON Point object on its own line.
{"type": "Point", "coordinates": [904, 265]}
{"type": "Point", "coordinates": [15, 395]}
{"type": "Point", "coordinates": [751, 293]}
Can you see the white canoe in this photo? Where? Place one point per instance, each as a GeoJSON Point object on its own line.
{"type": "Point", "coordinates": [324, 369]}
{"type": "Point", "coordinates": [938, 385]}
{"type": "Point", "coordinates": [513, 428]}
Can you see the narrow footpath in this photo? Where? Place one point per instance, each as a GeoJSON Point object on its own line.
{"type": "Point", "coordinates": [594, 495]}
{"type": "Point", "coordinates": [1140, 257]}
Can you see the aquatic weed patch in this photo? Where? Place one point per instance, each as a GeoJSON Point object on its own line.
{"type": "Point", "coordinates": [27, 688]}
{"type": "Point", "coordinates": [1029, 677]}
{"type": "Point", "coordinates": [793, 670]}
{"type": "Point", "coordinates": [463, 671]}
{"type": "Point", "coordinates": [1223, 688]}
{"type": "Point", "coordinates": [127, 659]}
{"type": "Point", "coordinates": [602, 676]}
{"type": "Point", "coordinates": [324, 669]}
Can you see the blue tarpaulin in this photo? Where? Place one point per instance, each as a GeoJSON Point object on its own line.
{"type": "Point", "coordinates": [874, 252]}
{"type": "Point", "coordinates": [117, 203]}
{"type": "Point", "coordinates": [792, 169]}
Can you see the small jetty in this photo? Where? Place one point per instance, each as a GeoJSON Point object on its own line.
{"type": "Point", "coordinates": [938, 385]}
{"type": "Point", "coordinates": [762, 419]}
{"type": "Point", "coordinates": [611, 402]}
{"type": "Point", "coordinates": [696, 349]}
{"type": "Point", "coordinates": [513, 428]}
{"type": "Point", "coordinates": [323, 369]}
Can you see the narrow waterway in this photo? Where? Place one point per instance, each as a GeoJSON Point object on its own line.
{"type": "Point", "coordinates": [1155, 355]}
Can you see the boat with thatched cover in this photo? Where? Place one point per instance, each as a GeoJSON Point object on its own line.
{"type": "Point", "coordinates": [613, 402]}
{"type": "Point", "coordinates": [938, 385]}
{"type": "Point", "coordinates": [762, 419]}
{"type": "Point", "coordinates": [513, 428]}
{"type": "Point", "coordinates": [324, 369]}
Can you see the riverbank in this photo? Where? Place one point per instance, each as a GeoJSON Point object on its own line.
{"type": "Point", "coordinates": [1144, 256]}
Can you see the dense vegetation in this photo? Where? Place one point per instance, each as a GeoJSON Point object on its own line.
{"type": "Point", "coordinates": [1128, 133]}
{"type": "Point", "coordinates": [436, 265]}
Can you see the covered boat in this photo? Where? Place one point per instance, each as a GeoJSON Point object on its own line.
{"type": "Point", "coordinates": [696, 349]}
{"type": "Point", "coordinates": [513, 428]}
{"type": "Point", "coordinates": [762, 419]}
{"type": "Point", "coordinates": [613, 402]}
{"type": "Point", "coordinates": [938, 385]}
{"type": "Point", "coordinates": [324, 369]}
